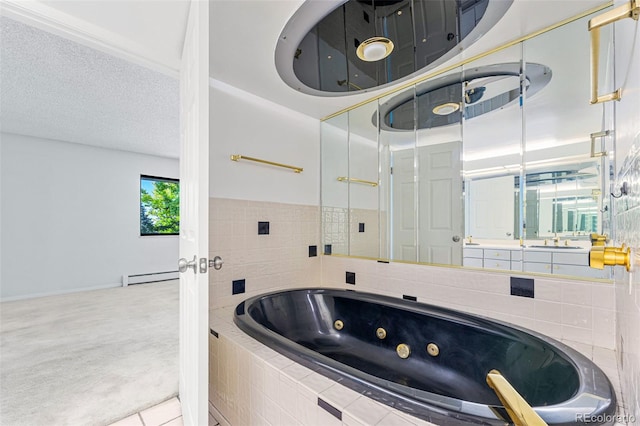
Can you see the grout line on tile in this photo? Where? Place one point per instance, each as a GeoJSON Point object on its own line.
{"type": "Point", "coordinates": [169, 421]}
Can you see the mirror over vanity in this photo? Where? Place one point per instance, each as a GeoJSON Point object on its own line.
{"type": "Point", "coordinates": [489, 164]}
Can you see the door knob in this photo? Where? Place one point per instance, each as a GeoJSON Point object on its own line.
{"type": "Point", "coordinates": [216, 263]}
{"type": "Point", "coordinates": [456, 238]}
{"type": "Point", "coordinates": [184, 264]}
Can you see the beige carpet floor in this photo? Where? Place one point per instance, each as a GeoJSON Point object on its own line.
{"type": "Point", "coordinates": [88, 358]}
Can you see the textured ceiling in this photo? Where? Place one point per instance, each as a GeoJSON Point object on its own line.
{"type": "Point", "coordinates": [54, 88]}
{"type": "Point", "coordinates": [58, 89]}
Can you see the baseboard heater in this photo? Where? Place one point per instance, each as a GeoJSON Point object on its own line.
{"type": "Point", "coordinates": [150, 277]}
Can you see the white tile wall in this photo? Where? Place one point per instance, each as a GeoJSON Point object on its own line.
{"type": "Point", "coordinates": [341, 230]}
{"type": "Point", "coordinates": [627, 287]}
{"type": "Point", "coordinates": [563, 309]}
{"type": "Point", "coordinates": [336, 228]}
{"type": "Point", "coordinates": [266, 262]}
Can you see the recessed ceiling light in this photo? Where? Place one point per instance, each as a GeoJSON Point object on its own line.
{"type": "Point", "coordinates": [374, 49]}
{"type": "Point", "coordinates": [446, 109]}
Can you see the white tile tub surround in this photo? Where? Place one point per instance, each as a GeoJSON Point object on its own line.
{"type": "Point", "coordinates": [270, 262]}
{"type": "Point", "coordinates": [250, 383]}
{"type": "Point", "coordinates": [627, 287]}
{"type": "Point", "coordinates": [580, 311]}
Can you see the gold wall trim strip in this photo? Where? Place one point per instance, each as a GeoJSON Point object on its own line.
{"type": "Point", "coordinates": [473, 58]}
{"type": "Point", "coordinates": [238, 157]}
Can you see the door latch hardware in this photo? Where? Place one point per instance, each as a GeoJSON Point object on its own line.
{"type": "Point", "coordinates": [216, 263]}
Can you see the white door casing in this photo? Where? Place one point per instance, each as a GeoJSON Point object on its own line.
{"type": "Point", "coordinates": [194, 216]}
{"type": "Point", "coordinates": [440, 204]}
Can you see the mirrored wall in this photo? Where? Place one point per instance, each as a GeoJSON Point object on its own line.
{"type": "Point", "coordinates": [488, 165]}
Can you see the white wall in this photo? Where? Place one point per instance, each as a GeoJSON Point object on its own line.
{"type": "Point", "coordinates": [242, 123]}
{"type": "Point", "coordinates": [244, 193]}
{"type": "Point", "coordinates": [70, 217]}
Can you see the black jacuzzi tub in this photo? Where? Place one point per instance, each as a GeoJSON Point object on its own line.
{"type": "Point", "coordinates": [447, 385]}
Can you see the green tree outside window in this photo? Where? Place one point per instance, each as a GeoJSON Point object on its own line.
{"type": "Point", "coordinates": [159, 206]}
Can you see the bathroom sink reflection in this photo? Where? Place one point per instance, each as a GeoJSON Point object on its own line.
{"type": "Point", "coordinates": [556, 247]}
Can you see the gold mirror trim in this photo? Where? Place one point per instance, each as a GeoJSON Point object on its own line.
{"type": "Point", "coordinates": [519, 411]}
{"type": "Point", "coordinates": [471, 59]}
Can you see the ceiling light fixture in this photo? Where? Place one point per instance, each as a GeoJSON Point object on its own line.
{"type": "Point", "coordinates": [446, 109]}
{"type": "Point", "coordinates": [374, 49]}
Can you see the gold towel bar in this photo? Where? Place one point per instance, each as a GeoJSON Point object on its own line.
{"type": "Point", "coordinates": [629, 10]}
{"type": "Point", "coordinates": [237, 157]}
{"type": "Point", "coordinates": [520, 412]}
{"type": "Point", "coordinates": [354, 180]}
{"type": "Point", "coordinates": [594, 136]}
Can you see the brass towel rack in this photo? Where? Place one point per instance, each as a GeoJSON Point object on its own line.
{"type": "Point", "coordinates": [520, 412]}
{"type": "Point", "coordinates": [354, 180]}
{"type": "Point", "coordinates": [593, 137]}
{"type": "Point", "coordinates": [238, 157]}
{"type": "Point", "coordinates": [629, 10]}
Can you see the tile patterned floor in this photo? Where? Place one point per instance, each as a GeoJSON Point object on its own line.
{"type": "Point", "coordinates": [167, 413]}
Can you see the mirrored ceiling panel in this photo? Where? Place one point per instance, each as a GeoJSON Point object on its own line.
{"type": "Point", "coordinates": [365, 44]}
{"type": "Point", "coordinates": [477, 91]}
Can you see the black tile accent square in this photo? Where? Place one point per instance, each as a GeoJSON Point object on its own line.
{"type": "Point", "coordinates": [351, 278]}
{"type": "Point", "coordinates": [313, 251]}
{"type": "Point", "coordinates": [330, 409]}
{"type": "Point", "coordinates": [407, 297]}
{"type": "Point", "coordinates": [213, 333]}
{"type": "Point", "coordinates": [238, 286]}
{"type": "Point", "coordinates": [360, 227]}
{"type": "Point", "coordinates": [522, 287]}
{"type": "Point", "coordinates": [327, 249]}
{"type": "Point", "coordinates": [263, 228]}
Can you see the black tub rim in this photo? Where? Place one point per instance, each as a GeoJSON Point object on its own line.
{"type": "Point", "coordinates": [595, 389]}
